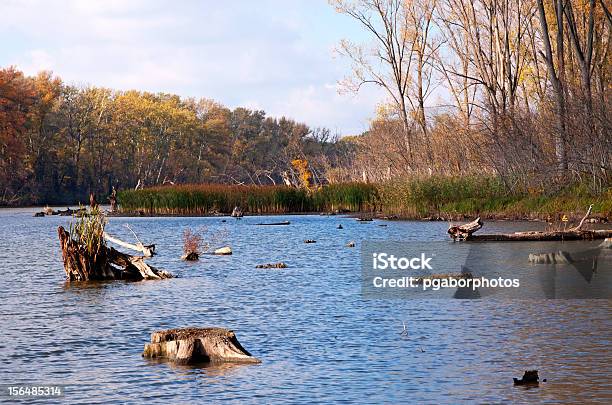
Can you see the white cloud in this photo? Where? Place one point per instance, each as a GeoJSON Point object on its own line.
{"type": "Point", "coordinates": [273, 55]}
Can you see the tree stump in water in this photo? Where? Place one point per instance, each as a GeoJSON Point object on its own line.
{"type": "Point", "coordinates": [197, 345]}
{"type": "Point", "coordinates": [462, 232]}
{"type": "Point", "coordinates": [81, 265]}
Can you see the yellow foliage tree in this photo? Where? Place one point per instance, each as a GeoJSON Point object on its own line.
{"type": "Point", "coordinates": [301, 165]}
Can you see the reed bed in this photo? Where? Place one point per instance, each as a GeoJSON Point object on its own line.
{"type": "Point", "coordinates": [413, 198]}
{"type": "Point", "coordinates": [488, 197]}
{"type": "Point", "coordinates": [205, 199]}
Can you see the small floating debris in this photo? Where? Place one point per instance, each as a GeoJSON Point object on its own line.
{"type": "Point", "coordinates": [275, 223]}
{"type": "Point", "coordinates": [351, 244]}
{"type": "Point", "coordinates": [39, 214]}
{"type": "Point", "coordinates": [340, 226]}
{"type": "Point", "coordinates": [226, 250]}
{"type": "Point", "coordinates": [530, 377]}
{"type": "Point", "coordinates": [364, 219]}
{"type": "Point", "coordinates": [197, 345]}
{"type": "Point", "coordinates": [279, 265]}
{"type": "Point", "coordinates": [382, 225]}
{"type": "Point", "coordinates": [310, 241]}
{"type": "Point", "coordinates": [405, 330]}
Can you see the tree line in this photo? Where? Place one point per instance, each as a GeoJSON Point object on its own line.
{"type": "Point", "coordinates": [58, 142]}
{"type": "Point", "coordinates": [515, 88]}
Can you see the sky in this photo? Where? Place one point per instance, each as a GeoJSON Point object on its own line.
{"type": "Point", "coordinates": [273, 55]}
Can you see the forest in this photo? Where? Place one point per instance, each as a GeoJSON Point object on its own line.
{"type": "Point", "coordinates": [60, 142]}
{"type": "Point", "coordinates": [513, 90]}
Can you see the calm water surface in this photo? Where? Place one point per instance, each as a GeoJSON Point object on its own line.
{"type": "Point", "coordinates": [319, 340]}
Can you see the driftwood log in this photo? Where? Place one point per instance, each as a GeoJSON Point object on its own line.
{"type": "Point", "coordinates": [107, 264]}
{"type": "Point", "coordinates": [544, 236]}
{"type": "Point", "coordinates": [463, 232]}
{"type": "Point", "coordinates": [197, 345]}
{"type": "Point", "coordinates": [274, 223]}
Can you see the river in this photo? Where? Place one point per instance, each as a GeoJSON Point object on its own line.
{"type": "Point", "coordinates": [318, 338]}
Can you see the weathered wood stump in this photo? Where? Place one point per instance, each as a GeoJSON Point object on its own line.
{"type": "Point", "coordinates": [463, 232]}
{"type": "Point", "coordinates": [197, 345]}
{"type": "Point", "coordinates": [106, 264]}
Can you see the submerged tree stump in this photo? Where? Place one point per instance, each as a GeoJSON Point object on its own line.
{"type": "Point", "coordinates": [197, 345]}
{"type": "Point", "coordinates": [106, 264]}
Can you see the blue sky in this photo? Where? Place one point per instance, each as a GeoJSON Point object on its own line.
{"type": "Point", "coordinates": [268, 54]}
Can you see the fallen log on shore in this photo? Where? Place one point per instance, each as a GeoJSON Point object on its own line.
{"type": "Point", "coordinates": [81, 264]}
{"type": "Point", "coordinates": [465, 232]}
{"type": "Point", "coordinates": [543, 236]}
{"type": "Point", "coordinates": [197, 345]}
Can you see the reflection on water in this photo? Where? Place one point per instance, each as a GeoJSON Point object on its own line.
{"type": "Point", "coordinates": [201, 369]}
{"type": "Point", "coordinates": [318, 338]}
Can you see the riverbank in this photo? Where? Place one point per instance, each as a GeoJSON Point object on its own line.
{"type": "Point", "coordinates": [433, 198]}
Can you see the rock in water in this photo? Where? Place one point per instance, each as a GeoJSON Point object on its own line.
{"type": "Point", "coordinates": [197, 345]}
{"type": "Point", "coordinates": [224, 251]}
